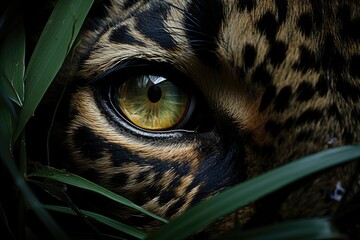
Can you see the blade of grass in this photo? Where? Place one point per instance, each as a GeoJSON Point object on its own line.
{"type": "Point", "coordinates": [102, 219]}
{"type": "Point", "coordinates": [317, 228]}
{"type": "Point", "coordinates": [77, 181]}
{"type": "Point", "coordinates": [240, 195]}
{"type": "Point", "coordinates": [12, 60]}
{"type": "Point", "coordinates": [50, 52]}
{"type": "Point", "coordinates": [6, 126]}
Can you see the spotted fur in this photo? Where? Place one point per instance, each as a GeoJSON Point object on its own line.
{"type": "Point", "coordinates": [276, 79]}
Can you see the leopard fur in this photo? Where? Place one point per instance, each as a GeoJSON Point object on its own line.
{"type": "Point", "coordinates": [275, 80]}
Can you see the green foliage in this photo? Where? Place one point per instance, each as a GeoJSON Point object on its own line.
{"type": "Point", "coordinates": [12, 60]}
{"type": "Point", "coordinates": [22, 90]}
{"type": "Point", "coordinates": [51, 50]}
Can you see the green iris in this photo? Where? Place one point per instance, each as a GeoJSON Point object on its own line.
{"type": "Point", "coordinates": [152, 102]}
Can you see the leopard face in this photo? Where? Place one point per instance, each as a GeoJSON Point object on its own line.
{"type": "Point", "coordinates": [171, 102]}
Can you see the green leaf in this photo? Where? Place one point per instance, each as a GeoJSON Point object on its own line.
{"type": "Point", "coordinates": [50, 52]}
{"type": "Point", "coordinates": [6, 126]}
{"type": "Point", "coordinates": [12, 62]}
{"type": "Point", "coordinates": [77, 181]}
{"type": "Point", "coordinates": [102, 219]}
{"type": "Point", "coordinates": [240, 195]}
{"type": "Point", "coordinates": [317, 228]}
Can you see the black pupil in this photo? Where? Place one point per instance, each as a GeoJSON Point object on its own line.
{"type": "Point", "coordinates": [154, 93]}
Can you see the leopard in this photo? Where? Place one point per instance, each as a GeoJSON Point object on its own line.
{"type": "Point", "coordinates": [169, 103]}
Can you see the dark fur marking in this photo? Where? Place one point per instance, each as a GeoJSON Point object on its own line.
{"type": "Point", "coordinates": [151, 24]}
{"type": "Point", "coordinates": [175, 207]}
{"type": "Point", "coordinates": [140, 197]}
{"type": "Point", "coordinates": [119, 179]}
{"type": "Point", "coordinates": [322, 86]}
{"type": "Point", "coordinates": [129, 3]}
{"type": "Point", "coordinates": [246, 4]}
{"type": "Point", "coordinates": [307, 60]}
{"type": "Point", "coordinates": [277, 52]}
{"type": "Point", "coordinates": [202, 25]}
{"type": "Point", "coordinates": [355, 113]}
{"type": "Point", "coordinates": [123, 35]}
{"type": "Point", "coordinates": [305, 91]}
{"type": "Point", "coordinates": [240, 73]}
{"type": "Point", "coordinates": [348, 136]}
{"type": "Point", "coordinates": [355, 65]}
{"type": "Point", "coordinates": [85, 139]}
{"type": "Point", "coordinates": [304, 135]}
{"type": "Point", "coordinates": [120, 156]}
{"type": "Point", "coordinates": [334, 111]}
{"type": "Point", "coordinates": [268, 25]}
{"type": "Point", "coordinates": [152, 192]}
{"type": "Point", "coordinates": [305, 24]}
{"type": "Point", "coordinates": [317, 13]}
{"type": "Point", "coordinates": [249, 56]}
{"type": "Point", "coordinates": [261, 76]}
{"type": "Point", "coordinates": [309, 116]}
{"type": "Point", "coordinates": [282, 7]}
{"type": "Point", "coordinates": [347, 90]}
{"type": "Point", "coordinates": [289, 123]}
{"type": "Point", "coordinates": [273, 128]}
{"type": "Point", "coordinates": [142, 176]}
{"type": "Point", "coordinates": [166, 196]}
{"type": "Point", "coordinates": [331, 59]}
{"type": "Point", "coordinates": [169, 194]}
{"type": "Point", "coordinates": [123, 156]}
{"type": "Point", "coordinates": [267, 97]}
{"type": "Point", "coordinates": [350, 27]}
{"type": "Point", "coordinates": [282, 99]}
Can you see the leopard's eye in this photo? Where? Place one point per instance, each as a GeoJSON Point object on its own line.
{"type": "Point", "coordinates": [153, 102]}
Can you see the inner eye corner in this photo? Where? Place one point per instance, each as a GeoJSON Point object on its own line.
{"type": "Point", "coordinates": [152, 102]}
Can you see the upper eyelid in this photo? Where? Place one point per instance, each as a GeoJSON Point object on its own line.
{"type": "Point", "coordinates": [135, 67]}
{"type": "Point", "coordinates": [122, 66]}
